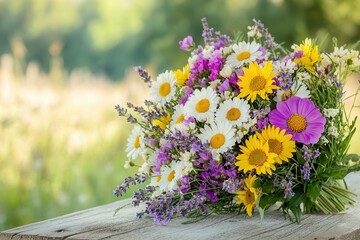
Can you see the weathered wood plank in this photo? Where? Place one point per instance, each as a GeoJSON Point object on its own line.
{"type": "Point", "coordinates": [100, 223]}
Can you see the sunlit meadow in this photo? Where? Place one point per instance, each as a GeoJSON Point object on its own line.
{"type": "Point", "coordinates": [62, 146]}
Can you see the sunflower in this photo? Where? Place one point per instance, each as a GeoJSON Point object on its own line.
{"type": "Point", "coordinates": [256, 155]}
{"type": "Point", "coordinates": [257, 81]}
{"type": "Point", "coordinates": [249, 195]}
{"type": "Point", "coordinates": [279, 143]}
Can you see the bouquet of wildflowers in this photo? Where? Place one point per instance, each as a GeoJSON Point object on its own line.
{"type": "Point", "coordinates": [244, 125]}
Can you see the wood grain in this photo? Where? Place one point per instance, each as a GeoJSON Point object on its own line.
{"type": "Point", "coordinates": [100, 223]}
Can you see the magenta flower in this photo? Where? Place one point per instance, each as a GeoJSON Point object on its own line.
{"type": "Point", "coordinates": [186, 44]}
{"type": "Point", "coordinates": [299, 117]}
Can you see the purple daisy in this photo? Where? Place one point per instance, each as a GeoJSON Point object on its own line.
{"type": "Point", "coordinates": [299, 117]}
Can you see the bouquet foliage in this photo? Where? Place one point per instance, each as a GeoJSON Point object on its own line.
{"type": "Point", "coordinates": [244, 125]}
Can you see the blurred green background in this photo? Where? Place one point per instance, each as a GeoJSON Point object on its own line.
{"type": "Point", "coordinates": [66, 63]}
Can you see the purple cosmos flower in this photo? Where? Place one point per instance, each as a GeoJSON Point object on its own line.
{"type": "Point", "coordinates": [299, 117]}
{"type": "Point", "coordinates": [186, 44]}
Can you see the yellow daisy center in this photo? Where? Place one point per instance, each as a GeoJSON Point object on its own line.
{"type": "Point", "coordinates": [233, 114]}
{"type": "Point", "coordinates": [275, 146]}
{"type": "Point", "coordinates": [257, 83]}
{"type": "Point", "coordinates": [287, 94]}
{"type": "Point", "coordinates": [242, 56]}
{"type": "Point", "coordinates": [203, 105]}
{"type": "Point", "coordinates": [257, 157]}
{"type": "Point", "coordinates": [217, 140]}
{"type": "Point", "coordinates": [137, 142]}
{"type": "Point", "coordinates": [250, 197]}
{"type": "Point", "coordinates": [164, 89]}
{"type": "Point", "coordinates": [158, 178]}
{"type": "Point", "coordinates": [180, 119]}
{"type": "Point", "coordinates": [296, 123]}
{"type": "Point", "coordinates": [171, 175]}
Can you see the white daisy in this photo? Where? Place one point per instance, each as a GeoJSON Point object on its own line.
{"type": "Point", "coordinates": [297, 89]}
{"type": "Point", "coordinates": [235, 111]}
{"type": "Point", "coordinates": [221, 136]}
{"type": "Point", "coordinates": [170, 176]}
{"type": "Point", "coordinates": [244, 53]}
{"type": "Point", "coordinates": [179, 115]}
{"type": "Point", "coordinates": [155, 180]}
{"type": "Point", "coordinates": [135, 143]}
{"type": "Point", "coordinates": [202, 104]}
{"type": "Point", "coordinates": [163, 89]}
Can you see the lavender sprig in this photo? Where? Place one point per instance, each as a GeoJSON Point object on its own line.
{"type": "Point", "coordinates": [130, 181]}
{"type": "Point", "coordinates": [143, 74]}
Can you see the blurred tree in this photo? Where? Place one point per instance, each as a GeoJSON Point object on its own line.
{"type": "Point", "coordinates": [111, 36]}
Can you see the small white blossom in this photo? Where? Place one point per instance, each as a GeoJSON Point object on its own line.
{"type": "Point", "coordinates": [214, 84]}
{"type": "Point", "coordinates": [253, 32]}
{"type": "Point", "coordinates": [227, 50]}
{"type": "Point", "coordinates": [331, 112]}
{"type": "Point", "coordinates": [192, 60]}
{"type": "Point", "coordinates": [333, 131]}
{"type": "Point", "coordinates": [128, 164]}
{"type": "Point", "coordinates": [226, 71]}
{"type": "Point", "coordinates": [145, 168]}
{"type": "Point", "coordinates": [324, 140]}
{"type": "Point", "coordinates": [352, 59]}
{"type": "Point", "coordinates": [208, 51]}
{"type": "Point", "coordinates": [226, 95]}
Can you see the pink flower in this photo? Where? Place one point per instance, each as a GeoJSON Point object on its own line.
{"type": "Point", "coordinates": [299, 117]}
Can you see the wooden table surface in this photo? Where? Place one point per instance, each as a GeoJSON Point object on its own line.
{"type": "Point", "coordinates": [100, 223]}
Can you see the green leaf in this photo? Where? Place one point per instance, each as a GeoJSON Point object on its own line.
{"type": "Point", "coordinates": [296, 210]}
{"type": "Point", "coordinates": [257, 183]}
{"type": "Point", "coordinates": [313, 191]}
{"type": "Point", "coordinates": [294, 205]}
{"type": "Point", "coordinates": [336, 172]}
{"type": "Point", "coordinates": [267, 201]}
{"type": "Point", "coordinates": [268, 186]}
